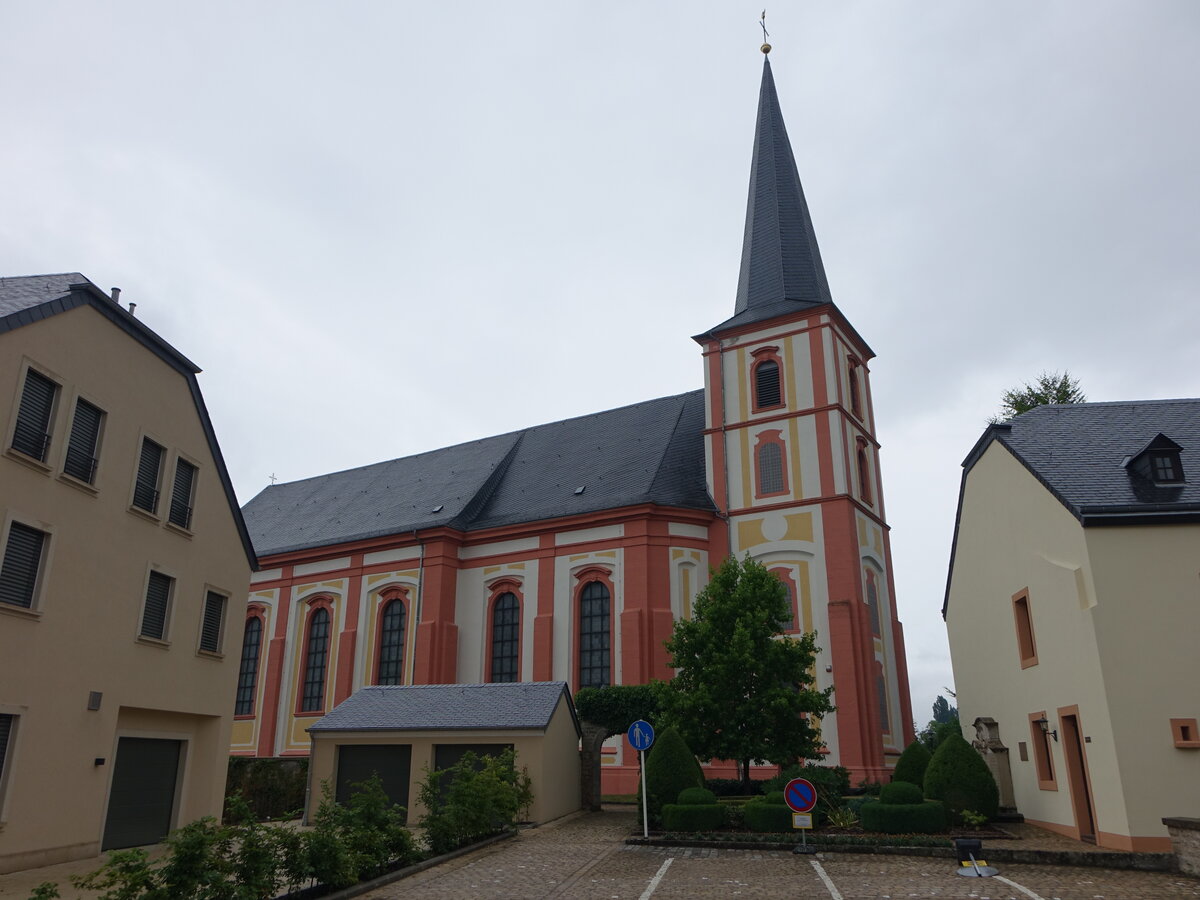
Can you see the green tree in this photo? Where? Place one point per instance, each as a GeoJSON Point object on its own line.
{"type": "Point", "coordinates": [944, 711]}
{"type": "Point", "coordinates": [741, 690]}
{"type": "Point", "coordinates": [1049, 387]}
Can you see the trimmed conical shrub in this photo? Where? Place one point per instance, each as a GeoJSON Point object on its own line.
{"type": "Point", "coordinates": [958, 776]}
{"type": "Point", "coordinates": [670, 767]}
{"type": "Point", "coordinates": [912, 763]}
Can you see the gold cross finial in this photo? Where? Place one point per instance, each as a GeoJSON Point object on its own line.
{"type": "Point", "coordinates": [762, 21]}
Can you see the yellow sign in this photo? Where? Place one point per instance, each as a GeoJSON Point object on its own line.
{"type": "Point", "coordinates": [801, 820]}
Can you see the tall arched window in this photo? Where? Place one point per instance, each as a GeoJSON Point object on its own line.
{"type": "Point", "coordinates": [595, 652]}
{"type": "Point", "coordinates": [855, 391]}
{"type": "Point", "coordinates": [315, 658]}
{"type": "Point", "coordinates": [391, 643]}
{"type": "Point", "coordinates": [768, 464]}
{"type": "Point", "coordinates": [873, 603]}
{"type": "Point", "coordinates": [248, 672]}
{"type": "Point", "coordinates": [864, 472]}
{"type": "Point", "coordinates": [766, 386]}
{"type": "Point", "coordinates": [506, 632]}
{"type": "Point", "coordinates": [881, 693]}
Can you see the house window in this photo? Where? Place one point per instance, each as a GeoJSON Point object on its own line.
{"type": "Point", "coordinates": [212, 624]}
{"type": "Point", "coordinates": [23, 554]}
{"type": "Point", "coordinates": [83, 442]}
{"type": "Point", "coordinates": [506, 626]}
{"type": "Point", "coordinates": [315, 657]}
{"type": "Point", "coordinates": [768, 391]}
{"type": "Point", "coordinates": [864, 472]}
{"type": "Point", "coordinates": [768, 464]}
{"type": "Point", "coordinates": [1165, 468]}
{"type": "Point", "coordinates": [391, 643]}
{"type": "Point", "coordinates": [873, 603]}
{"type": "Point", "coordinates": [181, 494]}
{"type": "Point", "coordinates": [1042, 761]}
{"type": "Point", "coordinates": [31, 435]}
{"type": "Point", "coordinates": [7, 724]}
{"type": "Point", "coordinates": [594, 636]}
{"type": "Point", "coordinates": [1026, 647]}
{"type": "Point", "coordinates": [248, 672]}
{"type": "Point", "coordinates": [855, 391]}
{"type": "Point", "coordinates": [145, 486]}
{"type": "Point", "coordinates": [1185, 734]}
{"type": "Point", "coordinates": [158, 603]}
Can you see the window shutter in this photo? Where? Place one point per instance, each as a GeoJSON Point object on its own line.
{"type": "Point", "coordinates": [766, 384]}
{"type": "Point", "coordinates": [214, 616]}
{"type": "Point", "coordinates": [81, 446]}
{"type": "Point", "coordinates": [5, 731]}
{"type": "Point", "coordinates": [158, 596]}
{"type": "Point", "coordinates": [145, 489]}
{"type": "Point", "coordinates": [31, 435]}
{"type": "Point", "coordinates": [22, 560]}
{"type": "Point", "coordinates": [181, 494]}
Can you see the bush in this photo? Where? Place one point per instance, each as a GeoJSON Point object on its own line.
{"type": "Point", "coordinates": [670, 767]}
{"type": "Point", "coordinates": [831, 782]}
{"type": "Point", "coordinates": [696, 796]}
{"type": "Point", "coordinates": [274, 788]}
{"type": "Point", "coordinates": [958, 776]}
{"type": "Point", "coordinates": [763, 815]}
{"type": "Point", "coordinates": [693, 817]}
{"type": "Point", "coordinates": [733, 787]}
{"type": "Point", "coordinates": [474, 798]}
{"type": "Point", "coordinates": [927, 817]}
{"type": "Point", "coordinates": [912, 763]}
{"type": "Point", "coordinates": [900, 792]}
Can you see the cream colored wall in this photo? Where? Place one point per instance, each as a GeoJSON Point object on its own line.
{"type": "Point", "coordinates": [83, 635]}
{"type": "Point", "coordinates": [1147, 619]}
{"type": "Point", "coordinates": [1014, 534]}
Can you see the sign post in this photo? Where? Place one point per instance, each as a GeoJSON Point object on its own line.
{"type": "Point", "coordinates": [801, 798]}
{"type": "Point", "coordinates": [641, 736]}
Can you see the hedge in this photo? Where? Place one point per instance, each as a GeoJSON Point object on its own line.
{"type": "Point", "coordinates": [928, 817]}
{"type": "Point", "coordinates": [766, 816]}
{"type": "Point", "coordinates": [693, 817]}
{"type": "Point", "coordinates": [901, 792]}
{"type": "Point", "coordinates": [831, 782]}
{"type": "Point", "coordinates": [696, 796]}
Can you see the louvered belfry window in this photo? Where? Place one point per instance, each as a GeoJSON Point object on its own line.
{"type": "Point", "coordinates": [32, 432]}
{"type": "Point", "coordinates": [158, 600]}
{"type": "Point", "coordinates": [594, 636]}
{"type": "Point", "coordinates": [506, 625]}
{"type": "Point", "coordinates": [391, 643]}
{"type": "Point", "coordinates": [145, 488]}
{"type": "Point", "coordinates": [22, 563]}
{"type": "Point", "coordinates": [214, 618]}
{"type": "Point", "coordinates": [248, 673]}
{"type": "Point", "coordinates": [313, 698]}
{"type": "Point", "coordinates": [181, 494]}
{"type": "Point", "coordinates": [81, 445]}
{"type": "Point", "coordinates": [766, 385]}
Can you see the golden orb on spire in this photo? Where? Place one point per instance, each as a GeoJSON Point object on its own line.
{"type": "Point", "coordinates": [766, 48]}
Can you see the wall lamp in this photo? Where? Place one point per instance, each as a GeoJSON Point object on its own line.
{"type": "Point", "coordinates": [1044, 724]}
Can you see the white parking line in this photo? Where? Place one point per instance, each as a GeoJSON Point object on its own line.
{"type": "Point", "coordinates": [833, 891]}
{"type": "Point", "coordinates": [1024, 890]}
{"type": "Point", "coordinates": [658, 876]}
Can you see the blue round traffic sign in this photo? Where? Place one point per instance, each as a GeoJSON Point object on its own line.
{"type": "Point", "coordinates": [641, 734]}
{"type": "Point", "coordinates": [800, 795]}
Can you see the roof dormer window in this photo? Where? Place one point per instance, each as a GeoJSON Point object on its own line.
{"type": "Point", "coordinates": [1158, 461]}
{"type": "Point", "coordinates": [1165, 468]}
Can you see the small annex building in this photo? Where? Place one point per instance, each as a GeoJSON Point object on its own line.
{"type": "Point", "coordinates": [398, 731]}
{"type": "Point", "coordinates": [1073, 607]}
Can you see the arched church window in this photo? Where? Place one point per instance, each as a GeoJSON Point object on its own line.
{"type": "Point", "coordinates": [864, 472]}
{"type": "Point", "coordinates": [873, 603]}
{"type": "Point", "coordinates": [391, 642]}
{"type": "Point", "coordinates": [506, 627]}
{"type": "Point", "coordinates": [852, 375]}
{"type": "Point", "coordinates": [248, 671]}
{"type": "Point", "coordinates": [315, 658]}
{"type": "Point", "coordinates": [768, 463]}
{"type": "Point", "coordinates": [595, 651]}
{"type": "Point", "coordinates": [885, 722]}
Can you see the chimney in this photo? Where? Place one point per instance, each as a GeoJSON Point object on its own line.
{"type": "Point", "coordinates": [132, 307]}
{"type": "Point", "coordinates": [116, 295]}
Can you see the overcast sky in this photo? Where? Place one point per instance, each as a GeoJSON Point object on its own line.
{"type": "Point", "coordinates": [383, 228]}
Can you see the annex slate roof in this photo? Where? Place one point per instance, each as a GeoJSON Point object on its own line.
{"type": "Point", "coordinates": [651, 452]}
{"type": "Point", "coordinates": [1079, 450]}
{"type": "Point", "coordinates": [429, 707]}
{"type": "Point", "coordinates": [27, 299]}
{"type": "Point", "coordinates": [781, 267]}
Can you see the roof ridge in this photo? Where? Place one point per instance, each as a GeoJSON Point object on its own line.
{"type": "Point", "coordinates": [479, 502]}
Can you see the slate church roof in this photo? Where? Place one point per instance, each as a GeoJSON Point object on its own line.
{"type": "Point", "coordinates": [430, 707]}
{"type": "Point", "coordinates": [651, 452]}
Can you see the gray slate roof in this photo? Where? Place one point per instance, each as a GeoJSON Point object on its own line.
{"type": "Point", "coordinates": [31, 298]}
{"type": "Point", "coordinates": [781, 268]}
{"type": "Point", "coordinates": [424, 707]}
{"type": "Point", "coordinates": [1078, 451]}
{"type": "Point", "coordinates": [651, 452]}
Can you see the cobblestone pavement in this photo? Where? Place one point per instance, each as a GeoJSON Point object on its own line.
{"type": "Point", "coordinates": [584, 857]}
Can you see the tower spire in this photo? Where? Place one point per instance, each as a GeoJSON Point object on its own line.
{"type": "Point", "coordinates": [780, 257]}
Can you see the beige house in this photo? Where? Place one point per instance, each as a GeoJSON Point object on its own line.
{"type": "Point", "coordinates": [398, 732]}
{"type": "Point", "coordinates": [1073, 609]}
{"type": "Point", "coordinates": [121, 545]}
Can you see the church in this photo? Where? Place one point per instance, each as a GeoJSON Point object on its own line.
{"type": "Point", "coordinates": [566, 551]}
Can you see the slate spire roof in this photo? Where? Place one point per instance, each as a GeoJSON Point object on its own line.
{"type": "Point", "coordinates": [781, 266]}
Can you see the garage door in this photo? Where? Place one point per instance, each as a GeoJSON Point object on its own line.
{"type": "Point", "coordinates": [142, 797]}
{"type": "Point", "coordinates": [391, 762]}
